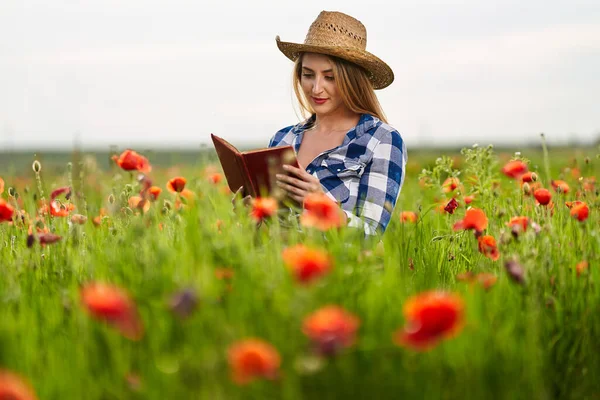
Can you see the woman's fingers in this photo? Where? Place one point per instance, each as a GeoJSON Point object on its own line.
{"type": "Point", "coordinates": [293, 181]}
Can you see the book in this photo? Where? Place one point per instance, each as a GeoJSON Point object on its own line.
{"type": "Point", "coordinates": [254, 170]}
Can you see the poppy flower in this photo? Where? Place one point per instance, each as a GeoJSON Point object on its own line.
{"type": "Point", "coordinates": [250, 359]}
{"type": "Point", "coordinates": [262, 208]}
{"type": "Point", "coordinates": [514, 169]}
{"type": "Point", "coordinates": [60, 210]}
{"type": "Point", "coordinates": [113, 305]}
{"type": "Point", "coordinates": [154, 192]}
{"type": "Point", "coordinates": [408, 216]}
{"type": "Point", "coordinates": [137, 202]}
{"type": "Point", "coordinates": [560, 186]}
{"type": "Point", "coordinates": [1, 185]}
{"type": "Point", "coordinates": [529, 177]}
{"type": "Point", "coordinates": [57, 192]}
{"type": "Point", "coordinates": [581, 267]}
{"type": "Point", "coordinates": [451, 206]}
{"type": "Point", "coordinates": [130, 160]}
{"type": "Point", "coordinates": [580, 211]}
{"type": "Point", "coordinates": [450, 184]}
{"type": "Point", "coordinates": [215, 178]}
{"type": "Point", "coordinates": [430, 317]}
{"type": "Point", "coordinates": [543, 196]}
{"type": "Point", "coordinates": [487, 246]}
{"type": "Point", "coordinates": [177, 184]}
{"type": "Point", "coordinates": [48, 238]}
{"type": "Point", "coordinates": [13, 387]}
{"type": "Point", "coordinates": [306, 264]}
{"type": "Point", "coordinates": [78, 219]}
{"type": "Point", "coordinates": [475, 218]}
{"type": "Point", "coordinates": [469, 199]}
{"type": "Point", "coordinates": [522, 222]}
{"type": "Point", "coordinates": [6, 211]}
{"type": "Point", "coordinates": [321, 212]}
{"type": "Point", "coordinates": [331, 329]}
{"type": "Point", "coordinates": [587, 185]}
{"type": "Point", "coordinates": [224, 273]}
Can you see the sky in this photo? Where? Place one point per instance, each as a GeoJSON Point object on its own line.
{"type": "Point", "coordinates": [166, 74]}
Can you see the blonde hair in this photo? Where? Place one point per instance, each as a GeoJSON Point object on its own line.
{"type": "Point", "coordinates": [353, 85]}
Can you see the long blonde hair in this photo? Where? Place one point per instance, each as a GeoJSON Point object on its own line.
{"type": "Point", "coordinates": [353, 85]}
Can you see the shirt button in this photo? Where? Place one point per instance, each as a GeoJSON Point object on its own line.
{"type": "Point", "coordinates": [339, 169]}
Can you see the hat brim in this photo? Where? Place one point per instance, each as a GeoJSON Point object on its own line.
{"type": "Point", "coordinates": [379, 73]}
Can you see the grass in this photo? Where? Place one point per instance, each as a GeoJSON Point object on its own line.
{"type": "Point", "coordinates": [536, 340]}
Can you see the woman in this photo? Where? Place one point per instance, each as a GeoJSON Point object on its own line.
{"type": "Point", "coordinates": [345, 148]}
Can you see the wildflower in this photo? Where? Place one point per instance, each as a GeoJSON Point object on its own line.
{"type": "Point", "coordinates": [580, 211]}
{"type": "Point", "coordinates": [520, 222]}
{"type": "Point", "coordinates": [177, 184]}
{"type": "Point", "coordinates": [430, 317]}
{"type": "Point", "coordinates": [514, 169]}
{"type": "Point", "coordinates": [331, 328]}
{"type": "Point", "coordinates": [130, 160]}
{"type": "Point", "coordinates": [321, 212]}
{"type": "Point", "coordinates": [408, 216]}
{"type": "Point", "coordinates": [137, 202]}
{"type": "Point", "coordinates": [6, 211]}
{"type": "Point", "coordinates": [450, 184]}
{"type": "Point", "coordinates": [306, 264]}
{"type": "Point", "coordinates": [1, 185]}
{"type": "Point", "coordinates": [57, 192]}
{"type": "Point", "coordinates": [543, 196]}
{"type": "Point", "coordinates": [451, 206]}
{"type": "Point", "coordinates": [475, 219]}
{"type": "Point", "coordinates": [588, 184]}
{"type": "Point", "coordinates": [560, 186]}
{"type": "Point", "coordinates": [581, 267]}
{"type": "Point", "coordinates": [154, 191]}
{"type": "Point", "coordinates": [215, 178]}
{"type": "Point", "coordinates": [487, 246]}
{"type": "Point", "coordinates": [13, 387]}
{"type": "Point", "coordinates": [60, 210]}
{"type": "Point", "coordinates": [469, 199]}
{"type": "Point", "coordinates": [528, 177]}
{"type": "Point", "coordinates": [224, 273]}
{"type": "Point", "coordinates": [112, 304]}
{"type": "Point", "coordinates": [515, 271]}
{"type": "Point", "coordinates": [48, 238]}
{"type": "Point", "coordinates": [263, 208]}
{"type": "Point", "coordinates": [252, 358]}
{"type": "Point", "coordinates": [78, 219]}
{"type": "Point", "coordinates": [183, 303]}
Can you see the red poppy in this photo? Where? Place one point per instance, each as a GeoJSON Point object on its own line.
{"type": "Point", "coordinates": [137, 202]}
{"type": "Point", "coordinates": [224, 273]}
{"type": "Point", "coordinates": [48, 238]}
{"type": "Point", "coordinates": [57, 192]}
{"type": "Point", "coordinates": [581, 267]}
{"type": "Point", "coordinates": [1, 185]}
{"type": "Point", "coordinates": [450, 184]}
{"type": "Point", "coordinates": [13, 387]}
{"type": "Point", "coordinates": [130, 160]}
{"type": "Point", "coordinates": [112, 304]}
{"type": "Point", "coordinates": [60, 210]}
{"type": "Point", "coordinates": [469, 199]}
{"type": "Point", "coordinates": [408, 216]}
{"type": "Point", "coordinates": [215, 178]}
{"type": "Point", "coordinates": [451, 206]}
{"type": "Point", "coordinates": [154, 191]}
{"type": "Point", "coordinates": [587, 185]}
{"type": "Point", "coordinates": [529, 177]}
{"type": "Point", "coordinates": [430, 317]}
{"type": "Point", "coordinates": [177, 184]}
{"type": "Point", "coordinates": [262, 208]}
{"type": "Point", "coordinates": [306, 264]}
{"type": "Point", "coordinates": [487, 246]}
{"type": "Point", "coordinates": [331, 328]}
{"type": "Point", "coordinates": [543, 196]}
{"type": "Point", "coordinates": [580, 211]}
{"type": "Point", "coordinates": [521, 222]}
{"type": "Point", "coordinates": [321, 212]}
{"type": "Point", "coordinates": [561, 186]}
{"type": "Point", "coordinates": [514, 169]}
{"type": "Point", "coordinates": [475, 218]}
{"type": "Point", "coordinates": [6, 211]}
{"type": "Point", "coordinates": [252, 358]}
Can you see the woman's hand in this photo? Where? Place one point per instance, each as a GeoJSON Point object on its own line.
{"type": "Point", "coordinates": [299, 184]}
{"type": "Point", "coordinates": [246, 201]}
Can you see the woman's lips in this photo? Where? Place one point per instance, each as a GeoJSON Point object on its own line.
{"type": "Point", "coordinates": [319, 101]}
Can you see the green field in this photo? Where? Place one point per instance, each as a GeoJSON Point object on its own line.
{"type": "Point", "coordinates": [529, 335]}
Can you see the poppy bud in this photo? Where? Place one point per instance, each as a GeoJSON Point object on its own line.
{"type": "Point", "coordinates": [526, 189]}
{"type": "Point", "coordinates": [534, 177]}
{"type": "Point", "coordinates": [36, 166]}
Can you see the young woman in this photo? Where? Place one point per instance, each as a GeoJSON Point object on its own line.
{"type": "Point", "coordinates": [345, 148]}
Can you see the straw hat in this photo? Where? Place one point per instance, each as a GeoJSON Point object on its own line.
{"type": "Point", "coordinates": [340, 35]}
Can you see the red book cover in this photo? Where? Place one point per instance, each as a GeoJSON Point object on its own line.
{"type": "Point", "coordinates": [255, 170]}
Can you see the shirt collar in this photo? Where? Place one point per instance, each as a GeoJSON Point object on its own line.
{"type": "Point", "coordinates": [366, 122]}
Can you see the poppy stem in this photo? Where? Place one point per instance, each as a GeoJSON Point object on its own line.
{"type": "Point", "coordinates": [546, 159]}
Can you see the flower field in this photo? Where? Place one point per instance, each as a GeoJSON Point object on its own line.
{"type": "Point", "coordinates": [142, 281]}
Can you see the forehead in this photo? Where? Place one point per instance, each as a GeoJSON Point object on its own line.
{"type": "Point", "coordinates": [316, 62]}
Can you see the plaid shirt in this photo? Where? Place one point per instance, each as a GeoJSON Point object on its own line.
{"type": "Point", "coordinates": [364, 174]}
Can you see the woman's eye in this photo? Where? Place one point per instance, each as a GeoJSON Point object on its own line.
{"type": "Point", "coordinates": [329, 78]}
{"type": "Point", "coordinates": [307, 75]}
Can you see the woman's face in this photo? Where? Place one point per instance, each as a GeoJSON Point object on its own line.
{"type": "Point", "coordinates": [318, 84]}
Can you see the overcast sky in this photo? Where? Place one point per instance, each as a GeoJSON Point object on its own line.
{"type": "Point", "coordinates": [168, 73]}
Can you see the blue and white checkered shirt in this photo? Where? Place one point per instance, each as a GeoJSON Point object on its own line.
{"type": "Point", "coordinates": [364, 174]}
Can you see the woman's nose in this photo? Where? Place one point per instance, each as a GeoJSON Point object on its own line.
{"type": "Point", "coordinates": [318, 86]}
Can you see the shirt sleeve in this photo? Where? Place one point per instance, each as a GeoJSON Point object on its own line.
{"type": "Point", "coordinates": [380, 185]}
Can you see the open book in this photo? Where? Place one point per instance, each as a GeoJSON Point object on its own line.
{"type": "Point", "coordinates": [255, 170]}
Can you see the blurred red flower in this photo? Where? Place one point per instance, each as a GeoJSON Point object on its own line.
{"type": "Point", "coordinates": [543, 196]}
{"type": "Point", "coordinates": [13, 387]}
{"type": "Point", "coordinates": [451, 206]}
{"type": "Point", "coordinates": [529, 177]}
{"type": "Point", "coordinates": [262, 208]}
{"type": "Point", "coordinates": [1, 185]}
{"type": "Point", "coordinates": [408, 216]}
{"type": "Point", "coordinates": [252, 358]}
{"type": "Point", "coordinates": [321, 212]}
{"type": "Point", "coordinates": [475, 218]}
{"type": "Point", "coordinates": [521, 222]}
{"type": "Point", "coordinates": [48, 238]}
{"type": "Point", "coordinates": [130, 160]}
{"type": "Point", "coordinates": [331, 328]}
{"type": "Point", "coordinates": [514, 169]}
{"type": "Point", "coordinates": [112, 304]}
{"type": "Point", "coordinates": [430, 317]}
{"type": "Point", "coordinates": [581, 267]}
{"type": "Point", "coordinates": [469, 199]}
{"type": "Point", "coordinates": [487, 246]}
{"type": "Point", "coordinates": [6, 211]}
{"type": "Point", "coordinates": [580, 211]}
{"type": "Point", "coordinates": [306, 264]}
{"type": "Point", "coordinates": [154, 191]}
{"type": "Point", "coordinates": [561, 186]}
{"type": "Point", "coordinates": [177, 184]}
{"type": "Point", "coordinates": [450, 184]}
{"type": "Point", "coordinates": [215, 178]}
